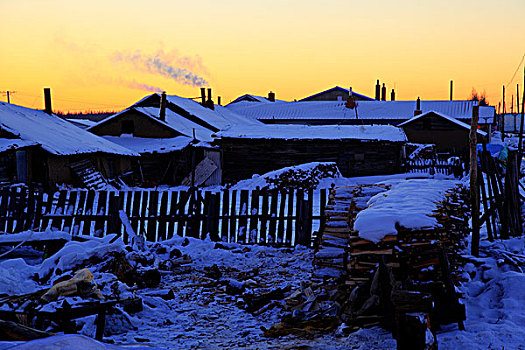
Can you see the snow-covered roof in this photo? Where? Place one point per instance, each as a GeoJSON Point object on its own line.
{"type": "Point", "coordinates": [12, 144]}
{"type": "Point", "coordinates": [369, 110]}
{"type": "Point", "coordinates": [251, 98]}
{"type": "Point", "coordinates": [144, 145]}
{"type": "Point", "coordinates": [81, 123]}
{"type": "Point", "coordinates": [450, 119]}
{"type": "Point", "coordinates": [220, 117]}
{"type": "Point", "coordinates": [337, 88]}
{"type": "Point", "coordinates": [325, 132]}
{"type": "Point", "coordinates": [52, 133]}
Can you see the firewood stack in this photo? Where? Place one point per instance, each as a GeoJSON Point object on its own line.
{"type": "Point", "coordinates": [414, 254]}
{"type": "Point", "coordinates": [343, 205]}
{"type": "Point", "coordinates": [415, 264]}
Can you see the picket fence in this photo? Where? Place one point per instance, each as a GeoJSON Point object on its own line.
{"type": "Point", "coordinates": [270, 217]}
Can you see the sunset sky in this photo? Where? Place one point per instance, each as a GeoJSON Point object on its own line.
{"type": "Point", "coordinates": [108, 54]}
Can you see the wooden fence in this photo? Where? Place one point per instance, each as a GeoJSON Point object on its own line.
{"type": "Point", "coordinates": [434, 166]}
{"type": "Point", "coordinates": [499, 189]}
{"type": "Point", "coordinates": [275, 217]}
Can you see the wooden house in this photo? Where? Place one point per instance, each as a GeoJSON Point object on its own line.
{"type": "Point", "coordinates": [336, 93]}
{"type": "Point", "coordinates": [357, 150]}
{"type": "Point", "coordinates": [49, 151]}
{"type": "Point", "coordinates": [172, 135]}
{"type": "Point", "coordinates": [365, 112]}
{"type": "Point", "coordinates": [447, 134]}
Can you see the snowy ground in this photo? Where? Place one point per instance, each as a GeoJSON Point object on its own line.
{"type": "Point", "coordinates": [207, 313]}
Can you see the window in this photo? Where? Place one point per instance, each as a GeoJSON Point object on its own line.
{"type": "Point", "coordinates": [128, 127]}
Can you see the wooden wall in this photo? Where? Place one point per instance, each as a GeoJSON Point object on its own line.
{"type": "Point", "coordinates": [144, 126]}
{"type": "Point", "coordinates": [244, 157]}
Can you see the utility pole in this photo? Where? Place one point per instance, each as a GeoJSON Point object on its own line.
{"type": "Point", "coordinates": [8, 93]}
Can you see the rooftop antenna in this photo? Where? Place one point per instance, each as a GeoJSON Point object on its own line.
{"type": "Point", "coordinates": [8, 93]}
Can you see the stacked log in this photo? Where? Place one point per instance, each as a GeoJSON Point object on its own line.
{"type": "Point", "coordinates": [422, 262]}
{"type": "Point", "coordinates": [343, 205]}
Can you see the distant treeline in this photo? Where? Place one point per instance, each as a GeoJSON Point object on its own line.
{"type": "Point", "coordinates": [91, 115]}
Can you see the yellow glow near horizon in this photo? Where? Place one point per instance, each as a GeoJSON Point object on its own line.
{"type": "Point", "coordinates": [294, 48]}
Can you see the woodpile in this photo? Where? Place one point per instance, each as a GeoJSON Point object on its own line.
{"type": "Point", "coordinates": [389, 282]}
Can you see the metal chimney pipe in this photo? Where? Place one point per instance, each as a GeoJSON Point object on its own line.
{"type": "Point", "coordinates": [418, 110]}
{"type": "Point", "coordinates": [47, 101]}
{"type": "Point", "coordinates": [203, 97]}
{"type": "Point", "coordinates": [209, 103]}
{"type": "Point", "coordinates": [219, 100]}
{"type": "Point", "coordinates": [451, 90]}
{"type": "Point", "coordinates": [393, 95]}
{"type": "Point", "coordinates": [271, 96]}
{"type": "Point", "coordinates": [383, 93]}
{"type": "Point", "coordinates": [162, 114]}
{"type": "Point", "coordinates": [378, 90]}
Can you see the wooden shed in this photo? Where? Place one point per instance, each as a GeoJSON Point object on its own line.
{"type": "Point", "coordinates": [448, 134]}
{"type": "Point", "coordinates": [357, 150]}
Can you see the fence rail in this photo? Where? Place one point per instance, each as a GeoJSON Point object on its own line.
{"type": "Point", "coordinates": [434, 166]}
{"type": "Point", "coordinates": [276, 217]}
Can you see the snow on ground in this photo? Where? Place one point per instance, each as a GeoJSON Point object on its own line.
{"type": "Point", "coordinates": [206, 311]}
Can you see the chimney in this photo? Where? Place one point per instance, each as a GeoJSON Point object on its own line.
{"type": "Point", "coordinates": [378, 90]}
{"type": "Point", "coordinates": [451, 90]}
{"type": "Point", "coordinates": [219, 100]}
{"type": "Point", "coordinates": [203, 97]}
{"type": "Point", "coordinates": [475, 112]}
{"type": "Point", "coordinates": [271, 96]}
{"type": "Point", "coordinates": [393, 95]}
{"type": "Point", "coordinates": [383, 93]}
{"type": "Point", "coordinates": [47, 101]}
{"type": "Point", "coordinates": [162, 114]}
{"type": "Point", "coordinates": [209, 103]}
{"type": "Point", "coordinates": [418, 110]}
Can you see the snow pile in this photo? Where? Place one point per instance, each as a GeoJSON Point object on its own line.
{"type": "Point", "coordinates": [305, 176]}
{"type": "Point", "coordinates": [406, 204]}
{"type": "Point", "coordinates": [495, 299]}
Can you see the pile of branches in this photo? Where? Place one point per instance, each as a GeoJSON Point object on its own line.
{"type": "Point", "coordinates": [303, 179]}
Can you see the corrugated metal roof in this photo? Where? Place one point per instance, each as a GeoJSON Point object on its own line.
{"type": "Point", "coordinates": [368, 110]}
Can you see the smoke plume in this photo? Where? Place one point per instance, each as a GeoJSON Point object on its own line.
{"type": "Point", "coordinates": [141, 86]}
{"type": "Point", "coordinates": [171, 65]}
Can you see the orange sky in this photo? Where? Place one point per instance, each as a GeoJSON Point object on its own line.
{"type": "Point", "coordinates": [101, 54]}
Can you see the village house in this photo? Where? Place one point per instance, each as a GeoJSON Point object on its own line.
{"type": "Point", "coordinates": [173, 134]}
{"type": "Point", "coordinates": [365, 112]}
{"type": "Point", "coordinates": [357, 150]}
{"type": "Point", "coordinates": [47, 150]}
{"type": "Point", "coordinates": [449, 135]}
{"type": "Point", "coordinates": [336, 93]}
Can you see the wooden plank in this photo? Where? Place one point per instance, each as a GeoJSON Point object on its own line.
{"type": "Point", "coordinates": [3, 209]}
{"type": "Point", "coordinates": [38, 211]}
{"type": "Point", "coordinates": [135, 210]}
{"type": "Point", "coordinates": [70, 210]}
{"type": "Point", "coordinates": [11, 209]}
{"type": "Point", "coordinates": [207, 211]}
{"type": "Point", "coordinates": [172, 212]}
{"type": "Point", "coordinates": [300, 222]}
{"type": "Point", "coordinates": [100, 211]}
{"type": "Point", "coordinates": [60, 209]}
{"type": "Point", "coordinates": [290, 222]}
{"type": "Point", "coordinates": [21, 210]}
{"type": "Point", "coordinates": [202, 172]}
{"type": "Point", "coordinates": [310, 213]}
{"type": "Point", "coordinates": [233, 217]}
{"type": "Point", "coordinates": [90, 209]}
{"type": "Point", "coordinates": [47, 204]}
{"type": "Point", "coordinates": [254, 217]}
{"type": "Point", "coordinates": [77, 222]}
{"type": "Point", "coordinates": [153, 205]}
{"type": "Point", "coordinates": [181, 212]}
{"type": "Point", "coordinates": [143, 214]}
{"type": "Point", "coordinates": [263, 217]}
{"type": "Point", "coordinates": [272, 225]}
{"type": "Point", "coordinates": [242, 235]}
{"type": "Point", "coordinates": [281, 218]}
{"type": "Point", "coordinates": [163, 211]}
{"type": "Point", "coordinates": [114, 223]}
{"type": "Point", "coordinates": [225, 217]}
